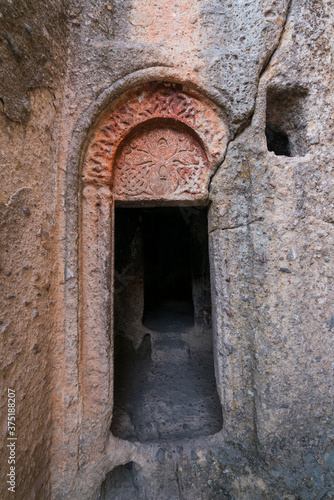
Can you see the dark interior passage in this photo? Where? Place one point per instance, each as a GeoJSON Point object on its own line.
{"type": "Point", "coordinates": [164, 372]}
{"type": "Point", "coordinates": [120, 484]}
{"type": "Point", "coordinates": [167, 268]}
{"type": "Point", "coordinates": [277, 141]}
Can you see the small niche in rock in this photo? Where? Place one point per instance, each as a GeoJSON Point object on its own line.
{"type": "Point", "coordinates": [164, 381]}
{"type": "Point", "coordinates": [120, 484]}
{"type": "Point", "coordinates": [285, 121]}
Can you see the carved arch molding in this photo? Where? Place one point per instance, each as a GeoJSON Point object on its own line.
{"type": "Point", "coordinates": [157, 144]}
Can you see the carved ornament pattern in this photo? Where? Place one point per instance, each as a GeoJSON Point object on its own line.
{"type": "Point", "coordinates": [162, 162]}
{"type": "Point", "coordinates": [162, 104]}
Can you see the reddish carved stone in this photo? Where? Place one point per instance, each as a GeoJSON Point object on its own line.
{"type": "Point", "coordinates": [169, 115]}
{"type": "Point", "coordinates": [160, 163]}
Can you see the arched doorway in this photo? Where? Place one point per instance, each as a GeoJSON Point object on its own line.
{"type": "Point", "coordinates": [151, 154]}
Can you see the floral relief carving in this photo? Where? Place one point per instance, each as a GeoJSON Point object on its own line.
{"type": "Point", "coordinates": [146, 170]}
{"type": "Point", "coordinates": [160, 163]}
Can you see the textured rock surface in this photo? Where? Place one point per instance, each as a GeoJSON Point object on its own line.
{"type": "Point", "coordinates": [271, 237]}
{"type": "Point", "coordinates": [272, 217]}
{"type": "Point", "coordinates": [28, 286]}
{"type": "Point", "coordinates": [32, 53]}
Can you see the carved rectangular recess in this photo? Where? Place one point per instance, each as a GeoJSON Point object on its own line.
{"type": "Point", "coordinates": [286, 122]}
{"type": "Point", "coordinates": [164, 383]}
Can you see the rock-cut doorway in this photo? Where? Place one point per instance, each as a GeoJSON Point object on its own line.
{"type": "Point", "coordinates": [164, 382]}
{"type": "Point", "coordinates": [143, 333]}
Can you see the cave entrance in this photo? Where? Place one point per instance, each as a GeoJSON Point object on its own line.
{"type": "Point", "coordinates": [164, 383]}
{"type": "Point", "coordinates": [168, 301]}
{"type": "Point", "coordinates": [154, 146]}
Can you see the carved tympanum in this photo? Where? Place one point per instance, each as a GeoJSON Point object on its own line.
{"type": "Point", "coordinates": [161, 162]}
{"type": "Point", "coordinates": [173, 158]}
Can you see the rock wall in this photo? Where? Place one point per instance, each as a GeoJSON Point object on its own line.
{"type": "Point", "coordinates": [268, 66]}
{"type": "Point", "coordinates": [32, 52]}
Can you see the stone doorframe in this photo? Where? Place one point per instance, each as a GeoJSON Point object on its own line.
{"type": "Point", "coordinates": [86, 446]}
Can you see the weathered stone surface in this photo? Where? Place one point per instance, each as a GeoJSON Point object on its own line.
{"type": "Point", "coordinates": [28, 275]}
{"type": "Point", "coordinates": [271, 236]}
{"type": "Point", "coordinates": [283, 206]}
{"type": "Point", "coordinates": [32, 52]}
